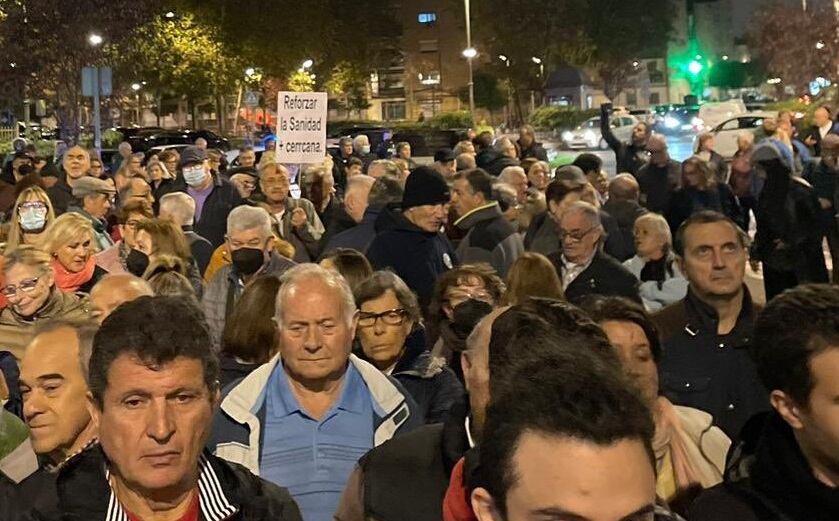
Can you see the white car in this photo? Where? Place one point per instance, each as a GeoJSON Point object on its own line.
{"type": "Point", "coordinates": [714, 113]}
{"type": "Point", "coordinates": [725, 134]}
{"type": "Point", "coordinates": [587, 135]}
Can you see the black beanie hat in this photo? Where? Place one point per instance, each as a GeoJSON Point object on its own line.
{"type": "Point", "coordinates": [425, 186]}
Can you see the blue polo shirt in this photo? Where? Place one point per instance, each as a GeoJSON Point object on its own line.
{"type": "Point", "coordinates": [314, 458]}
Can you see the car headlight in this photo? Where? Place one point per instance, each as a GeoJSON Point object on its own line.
{"type": "Point", "coordinates": [567, 136]}
{"type": "Point", "coordinates": [590, 136]}
{"type": "Point", "coordinates": [671, 122]}
{"type": "Point", "coordinates": [696, 122]}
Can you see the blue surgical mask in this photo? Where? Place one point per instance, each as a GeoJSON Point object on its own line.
{"type": "Point", "coordinates": [194, 176]}
{"type": "Point", "coordinates": [32, 219]}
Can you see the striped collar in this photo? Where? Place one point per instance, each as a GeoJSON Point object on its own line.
{"type": "Point", "coordinates": [214, 505]}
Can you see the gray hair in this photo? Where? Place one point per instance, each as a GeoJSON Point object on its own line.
{"type": "Point", "coordinates": [659, 224]}
{"type": "Point", "coordinates": [358, 182]}
{"type": "Point", "coordinates": [294, 276]}
{"type": "Point", "coordinates": [249, 217]}
{"type": "Point", "coordinates": [465, 161]}
{"type": "Point", "coordinates": [501, 144]}
{"type": "Point", "coordinates": [588, 210]}
{"type": "Point", "coordinates": [179, 205]}
{"type": "Point", "coordinates": [508, 173]}
{"type": "Point", "coordinates": [357, 141]}
{"type": "Point", "coordinates": [379, 283]}
{"type": "Point", "coordinates": [505, 194]}
{"type": "Point", "coordinates": [85, 330]}
{"type": "Point", "coordinates": [389, 166]}
{"type": "Point", "coordinates": [386, 190]}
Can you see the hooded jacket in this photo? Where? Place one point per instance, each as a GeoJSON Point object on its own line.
{"type": "Point", "coordinates": [769, 481]}
{"type": "Point", "coordinates": [237, 427]}
{"type": "Point", "coordinates": [489, 238]}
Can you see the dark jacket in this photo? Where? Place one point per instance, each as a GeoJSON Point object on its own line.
{"type": "Point", "coordinates": [771, 481]}
{"type": "Point", "coordinates": [419, 257]}
{"type": "Point", "coordinates": [494, 162]}
{"type": "Point", "coordinates": [630, 157]}
{"type": "Point", "coordinates": [61, 195]}
{"type": "Point", "coordinates": [604, 276]}
{"type": "Point", "coordinates": [339, 222]}
{"type": "Point", "coordinates": [702, 369]}
{"type": "Point", "coordinates": [658, 184]}
{"type": "Point", "coordinates": [535, 151]}
{"type": "Point", "coordinates": [490, 238]}
{"type": "Point", "coordinates": [233, 370]}
{"type": "Point", "coordinates": [202, 250]}
{"type": "Point", "coordinates": [615, 244]}
{"type": "Point", "coordinates": [542, 235]}
{"type": "Point", "coordinates": [625, 214]}
{"type": "Point", "coordinates": [796, 225]}
{"type": "Point", "coordinates": [228, 492]}
{"type": "Point", "coordinates": [689, 200]}
{"type": "Point", "coordinates": [165, 187]}
{"type": "Point", "coordinates": [427, 379]}
{"type": "Point", "coordinates": [719, 166]}
{"type": "Point", "coordinates": [98, 273]}
{"type": "Point", "coordinates": [213, 223]}
{"type": "Point", "coordinates": [405, 478]}
{"type": "Point", "coordinates": [814, 132]}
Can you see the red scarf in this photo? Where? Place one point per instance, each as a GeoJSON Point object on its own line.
{"type": "Point", "coordinates": [69, 282]}
{"type": "Point", "coordinates": [456, 504]}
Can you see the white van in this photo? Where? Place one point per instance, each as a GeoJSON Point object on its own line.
{"type": "Point", "coordinates": [716, 112]}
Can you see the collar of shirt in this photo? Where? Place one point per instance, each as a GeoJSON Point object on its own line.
{"type": "Point", "coordinates": [825, 130]}
{"type": "Point", "coordinates": [475, 210]}
{"type": "Point", "coordinates": [284, 403]}
{"type": "Point", "coordinates": [469, 437]}
{"type": "Point", "coordinates": [214, 505]}
{"type": "Point", "coordinates": [573, 270]}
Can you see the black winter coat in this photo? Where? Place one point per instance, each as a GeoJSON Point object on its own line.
{"type": "Point", "coordinates": [605, 276]}
{"type": "Point", "coordinates": [688, 201]}
{"type": "Point", "coordinates": [213, 223]}
{"type": "Point", "coordinates": [658, 184]}
{"type": "Point", "coordinates": [768, 481]}
{"type": "Point", "coordinates": [625, 214]}
{"type": "Point", "coordinates": [494, 162]}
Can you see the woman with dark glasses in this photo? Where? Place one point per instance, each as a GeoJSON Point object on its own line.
{"type": "Point", "coordinates": [392, 339]}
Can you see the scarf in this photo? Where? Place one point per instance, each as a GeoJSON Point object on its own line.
{"type": "Point", "coordinates": [69, 282]}
{"type": "Point", "coordinates": [690, 465]}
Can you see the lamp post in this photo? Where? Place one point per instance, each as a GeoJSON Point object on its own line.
{"type": "Point", "coordinates": [136, 88]}
{"type": "Point", "coordinates": [96, 40]}
{"type": "Point", "coordinates": [537, 61]}
{"type": "Point", "coordinates": [470, 53]}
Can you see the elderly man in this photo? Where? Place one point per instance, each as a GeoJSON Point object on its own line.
{"type": "Point", "coordinates": [362, 150]}
{"type": "Point", "coordinates": [659, 179]}
{"type": "Point", "coordinates": [214, 196]}
{"type": "Point", "coordinates": [114, 290]}
{"type": "Point", "coordinates": [251, 245]}
{"type": "Point", "coordinates": [415, 248]}
{"type": "Point", "coordinates": [53, 383]}
{"type": "Point", "coordinates": [623, 206]}
{"type": "Point", "coordinates": [515, 177]}
{"type": "Point", "coordinates": [583, 268]}
{"type": "Point", "coordinates": [75, 166]}
{"type": "Point", "coordinates": [304, 418]}
{"type": "Point", "coordinates": [356, 198]}
{"type": "Point", "coordinates": [340, 162]}
{"type": "Point", "coordinates": [444, 163]}
{"type": "Point", "coordinates": [179, 208]}
{"type": "Point", "coordinates": [384, 192]}
{"type": "Point", "coordinates": [152, 395]}
{"type": "Point", "coordinates": [706, 336]}
{"type": "Point", "coordinates": [137, 189]}
{"type": "Point", "coordinates": [294, 220]}
{"type": "Point", "coordinates": [95, 198]}
{"type": "Point", "coordinates": [489, 237]}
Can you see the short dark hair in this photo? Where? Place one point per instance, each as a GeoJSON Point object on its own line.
{"type": "Point", "coordinates": [588, 162]}
{"type": "Point", "coordinates": [620, 309]}
{"type": "Point", "coordinates": [351, 264]}
{"type": "Point", "coordinates": [559, 395]}
{"type": "Point", "coordinates": [249, 332]}
{"type": "Point", "coordinates": [144, 329]}
{"type": "Point", "coordinates": [557, 190]}
{"type": "Point", "coordinates": [706, 217]}
{"type": "Point", "coordinates": [479, 181]}
{"type": "Point", "coordinates": [354, 161]}
{"type": "Point", "coordinates": [795, 326]}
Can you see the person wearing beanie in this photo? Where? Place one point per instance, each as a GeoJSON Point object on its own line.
{"type": "Point", "coordinates": [415, 248]}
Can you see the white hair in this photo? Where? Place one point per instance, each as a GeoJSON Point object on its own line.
{"type": "Point", "coordinates": [247, 218]}
{"type": "Point", "coordinates": [587, 209]}
{"type": "Point", "coordinates": [335, 281]}
{"type": "Point", "coordinates": [359, 139]}
{"type": "Point", "coordinates": [507, 175]}
{"type": "Point", "coordinates": [180, 206]}
{"type": "Point", "coordinates": [659, 224]}
{"type": "Point", "coordinates": [358, 182]}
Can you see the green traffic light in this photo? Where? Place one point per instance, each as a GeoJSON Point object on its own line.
{"type": "Point", "coordinates": [695, 67]}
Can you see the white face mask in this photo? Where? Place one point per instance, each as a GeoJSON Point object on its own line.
{"type": "Point", "coordinates": [194, 176]}
{"type": "Point", "coordinates": [365, 149]}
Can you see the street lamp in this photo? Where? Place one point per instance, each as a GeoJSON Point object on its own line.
{"type": "Point", "coordinates": [725, 57]}
{"type": "Point", "coordinates": [820, 45]}
{"type": "Point", "coordinates": [308, 64]}
{"type": "Point", "coordinates": [169, 14]}
{"type": "Point", "coordinates": [470, 53]}
{"type": "Point", "coordinates": [250, 71]}
{"type": "Point", "coordinates": [95, 39]}
{"type": "Point", "coordinates": [473, 53]}
{"type": "Point", "coordinates": [136, 88]}
{"type": "Point", "coordinates": [537, 61]}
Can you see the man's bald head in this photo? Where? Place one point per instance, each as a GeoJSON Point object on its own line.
{"type": "Point", "coordinates": [114, 290]}
{"type": "Point", "coordinates": [624, 187]}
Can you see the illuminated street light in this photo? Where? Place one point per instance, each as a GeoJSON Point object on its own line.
{"type": "Point", "coordinates": [725, 57]}
{"type": "Point", "coordinates": [307, 64]}
{"type": "Point", "coordinates": [169, 14]}
{"type": "Point", "coordinates": [136, 86]}
{"type": "Point", "coordinates": [536, 60]}
{"type": "Point", "coordinates": [773, 81]}
{"type": "Point", "coordinates": [695, 67]}
{"type": "Point", "coordinates": [820, 45]}
{"type": "Point", "coordinates": [95, 39]}
{"type": "Point", "coordinates": [250, 71]}
{"type": "Point", "coordinates": [636, 63]}
{"type": "Point", "coordinates": [502, 57]}
{"type": "Point", "coordinates": [470, 53]}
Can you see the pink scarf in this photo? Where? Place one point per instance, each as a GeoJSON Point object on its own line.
{"type": "Point", "coordinates": [70, 282]}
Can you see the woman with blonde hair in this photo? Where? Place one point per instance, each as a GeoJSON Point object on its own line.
{"type": "Point", "coordinates": [532, 275]}
{"type": "Point", "coordinates": [159, 177]}
{"type": "Point", "coordinates": [31, 215]}
{"type": "Point", "coordinates": [654, 265]}
{"type": "Point", "coordinates": [155, 238]}
{"type": "Point", "coordinates": [701, 191]}
{"type": "Point", "coordinates": [69, 241]}
{"type": "Point", "coordinates": [30, 287]}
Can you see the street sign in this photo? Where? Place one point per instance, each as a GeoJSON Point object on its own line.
{"type": "Point", "coordinates": [89, 80]}
{"type": "Point", "coordinates": [251, 99]}
{"type": "Point", "coordinates": [105, 81]}
{"type": "Point", "coordinates": [301, 127]}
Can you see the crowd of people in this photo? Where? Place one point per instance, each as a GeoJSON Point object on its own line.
{"type": "Point", "coordinates": [479, 338]}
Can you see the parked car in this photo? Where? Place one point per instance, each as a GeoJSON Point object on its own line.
{"type": "Point", "coordinates": [588, 136]}
{"type": "Point", "coordinates": [145, 139]}
{"type": "Point", "coordinates": [644, 115]}
{"type": "Point", "coordinates": [678, 119]}
{"type": "Point", "coordinates": [715, 112]}
{"type": "Point", "coordinates": [725, 134]}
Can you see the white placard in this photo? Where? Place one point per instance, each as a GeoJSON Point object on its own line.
{"type": "Point", "coordinates": [301, 127]}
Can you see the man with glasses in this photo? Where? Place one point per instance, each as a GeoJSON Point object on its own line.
{"type": "Point", "coordinates": [303, 419]}
{"type": "Point", "coordinates": [95, 198]}
{"type": "Point", "coordinates": [250, 242]}
{"type": "Point", "coordinates": [583, 268]}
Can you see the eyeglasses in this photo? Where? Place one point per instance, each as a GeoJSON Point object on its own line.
{"type": "Point", "coordinates": [391, 317]}
{"type": "Point", "coordinates": [576, 236]}
{"type": "Point", "coordinates": [32, 205]}
{"type": "Point", "coordinates": [26, 286]}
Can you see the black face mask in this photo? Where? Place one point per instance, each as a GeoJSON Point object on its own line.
{"type": "Point", "coordinates": [137, 262]}
{"type": "Point", "coordinates": [247, 261]}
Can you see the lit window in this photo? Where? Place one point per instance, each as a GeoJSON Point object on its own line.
{"type": "Point", "coordinates": [427, 18]}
